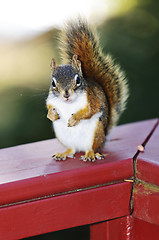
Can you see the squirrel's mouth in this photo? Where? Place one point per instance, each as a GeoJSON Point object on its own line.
{"type": "Point", "coordinates": [68, 100]}
{"type": "Point", "coordinates": [66, 95]}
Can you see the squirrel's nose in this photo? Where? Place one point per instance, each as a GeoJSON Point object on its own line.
{"type": "Point", "coordinates": [66, 94]}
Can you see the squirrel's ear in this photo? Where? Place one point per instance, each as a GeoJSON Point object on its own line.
{"type": "Point", "coordinates": [52, 65]}
{"type": "Point", "coordinates": [76, 63]}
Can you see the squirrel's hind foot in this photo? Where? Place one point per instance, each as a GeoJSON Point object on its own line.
{"type": "Point", "coordinates": [91, 156]}
{"type": "Point", "coordinates": [62, 156]}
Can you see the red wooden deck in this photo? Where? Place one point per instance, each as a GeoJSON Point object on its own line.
{"type": "Point", "coordinates": [39, 195]}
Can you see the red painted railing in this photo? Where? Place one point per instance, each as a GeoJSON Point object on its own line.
{"type": "Point", "coordinates": [117, 196]}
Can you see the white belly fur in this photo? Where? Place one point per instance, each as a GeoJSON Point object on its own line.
{"type": "Point", "coordinates": [79, 137]}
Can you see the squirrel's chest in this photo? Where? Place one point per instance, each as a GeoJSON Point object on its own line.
{"type": "Point", "coordinates": [67, 109]}
{"type": "Point", "coordinates": [79, 137]}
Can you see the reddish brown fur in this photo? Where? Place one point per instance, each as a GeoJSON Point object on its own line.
{"type": "Point", "coordinates": [99, 136]}
{"type": "Point", "coordinates": [79, 39]}
{"type": "Point", "coordinates": [90, 109]}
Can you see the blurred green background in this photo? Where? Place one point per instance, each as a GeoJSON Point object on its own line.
{"type": "Point", "coordinates": [131, 36]}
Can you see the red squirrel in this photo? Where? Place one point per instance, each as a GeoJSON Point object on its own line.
{"type": "Point", "coordinates": [87, 95]}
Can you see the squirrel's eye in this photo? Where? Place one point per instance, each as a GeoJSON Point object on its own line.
{"type": "Point", "coordinates": [53, 82]}
{"type": "Point", "coordinates": [78, 80]}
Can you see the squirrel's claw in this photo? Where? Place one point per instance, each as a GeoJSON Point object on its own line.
{"type": "Point", "coordinates": [52, 114]}
{"type": "Point", "coordinates": [91, 156]}
{"type": "Point", "coordinates": [62, 156]}
{"type": "Point", "coordinates": [72, 121]}
{"type": "Point", "coordinates": [59, 156]}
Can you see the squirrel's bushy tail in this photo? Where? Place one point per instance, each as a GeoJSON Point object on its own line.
{"type": "Point", "coordinates": [77, 38]}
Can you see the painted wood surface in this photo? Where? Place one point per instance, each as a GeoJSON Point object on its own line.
{"type": "Point", "coordinates": [116, 229]}
{"type": "Point", "coordinates": [39, 195]}
{"type": "Point", "coordinates": [143, 230]}
{"type": "Point", "coordinates": [146, 202]}
{"type": "Point", "coordinates": [147, 167]}
{"type": "Point", "coordinates": [146, 188]}
{"type": "Point", "coordinates": [65, 211]}
{"type": "Point", "coordinates": [124, 228]}
{"type": "Point", "coordinates": [30, 171]}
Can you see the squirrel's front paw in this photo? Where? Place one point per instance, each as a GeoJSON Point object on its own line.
{"type": "Point", "coordinates": [52, 114]}
{"type": "Point", "coordinates": [73, 121]}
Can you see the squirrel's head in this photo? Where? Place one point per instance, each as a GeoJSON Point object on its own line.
{"type": "Point", "coordinates": [67, 80]}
